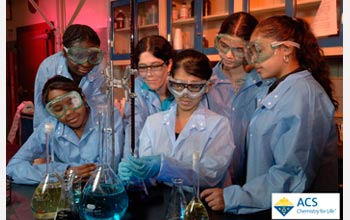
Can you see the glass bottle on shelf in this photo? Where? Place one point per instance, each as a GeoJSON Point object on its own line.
{"type": "Point", "coordinates": [195, 208]}
{"type": "Point", "coordinates": [183, 10]}
{"type": "Point", "coordinates": [206, 7]}
{"type": "Point", "coordinates": [104, 196]}
{"type": "Point", "coordinates": [67, 209]}
{"type": "Point", "coordinates": [46, 196]}
{"type": "Point", "coordinates": [120, 20]}
{"type": "Point", "coordinates": [174, 12]}
{"type": "Point", "coordinates": [176, 202]}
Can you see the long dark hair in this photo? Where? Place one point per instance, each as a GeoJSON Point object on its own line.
{"type": "Point", "coordinates": [157, 45]}
{"type": "Point", "coordinates": [310, 55]}
{"type": "Point", "coordinates": [240, 24]}
{"type": "Point", "coordinates": [193, 62]}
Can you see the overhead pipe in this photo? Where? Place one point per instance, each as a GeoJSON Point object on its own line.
{"type": "Point", "coordinates": [76, 12]}
{"type": "Point", "coordinates": [42, 14]}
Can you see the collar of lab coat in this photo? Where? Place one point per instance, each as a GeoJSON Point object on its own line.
{"type": "Point", "coordinates": [271, 99]}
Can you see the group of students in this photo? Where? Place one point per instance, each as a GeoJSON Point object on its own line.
{"type": "Point", "coordinates": [261, 119]}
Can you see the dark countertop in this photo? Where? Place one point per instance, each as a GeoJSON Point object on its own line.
{"type": "Point", "coordinates": [152, 209]}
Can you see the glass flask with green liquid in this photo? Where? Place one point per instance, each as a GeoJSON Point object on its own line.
{"type": "Point", "coordinates": [195, 209]}
{"type": "Point", "coordinates": [104, 196]}
{"type": "Point", "coordinates": [47, 194]}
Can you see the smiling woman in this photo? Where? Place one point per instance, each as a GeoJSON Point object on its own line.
{"type": "Point", "coordinates": [80, 60]}
{"type": "Point", "coordinates": [75, 136]}
{"type": "Point", "coordinates": [169, 138]}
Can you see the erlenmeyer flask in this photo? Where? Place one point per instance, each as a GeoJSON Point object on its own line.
{"type": "Point", "coordinates": [67, 209]}
{"type": "Point", "coordinates": [104, 196]}
{"type": "Point", "coordinates": [46, 196]}
{"type": "Point", "coordinates": [176, 202]}
{"type": "Point", "coordinates": [195, 210]}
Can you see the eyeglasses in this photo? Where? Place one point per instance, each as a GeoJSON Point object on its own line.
{"type": "Point", "coordinates": [224, 48]}
{"type": "Point", "coordinates": [180, 88]}
{"type": "Point", "coordinates": [155, 68]}
{"type": "Point", "coordinates": [58, 106]}
{"type": "Point", "coordinates": [260, 51]}
{"type": "Point", "coordinates": [80, 55]}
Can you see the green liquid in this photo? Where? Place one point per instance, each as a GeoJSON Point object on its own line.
{"type": "Point", "coordinates": [44, 203]}
{"type": "Point", "coordinates": [195, 210]}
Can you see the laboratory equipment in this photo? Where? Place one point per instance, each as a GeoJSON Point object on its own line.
{"type": "Point", "coordinates": [104, 196]}
{"type": "Point", "coordinates": [176, 202]}
{"type": "Point", "coordinates": [46, 196]}
{"type": "Point", "coordinates": [67, 209]}
{"type": "Point", "coordinates": [195, 210]}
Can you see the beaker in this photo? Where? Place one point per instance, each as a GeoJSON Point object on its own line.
{"type": "Point", "coordinates": [176, 204]}
{"type": "Point", "coordinates": [46, 196]}
{"type": "Point", "coordinates": [104, 196]}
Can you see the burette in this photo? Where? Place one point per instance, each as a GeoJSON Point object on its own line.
{"type": "Point", "coordinates": [128, 76]}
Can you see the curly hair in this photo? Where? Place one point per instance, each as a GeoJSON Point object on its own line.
{"type": "Point", "coordinates": [310, 55]}
{"type": "Point", "coordinates": [78, 33]}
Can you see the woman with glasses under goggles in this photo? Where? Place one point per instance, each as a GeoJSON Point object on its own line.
{"type": "Point", "coordinates": [235, 84]}
{"type": "Point", "coordinates": [169, 138]}
{"type": "Point", "coordinates": [81, 60]}
{"type": "Point", "coordinates": [74, 138]}
{"type": "Point", "coordinates": [292, 140]}
{"type": "Point", "coordinates": [154, 57]}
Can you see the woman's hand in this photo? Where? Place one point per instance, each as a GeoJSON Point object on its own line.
{"type": "Point", "coordinates": [215, 198]}
{"type": "Point", "coordinates": [84, 171]}
{"type": "Point", "coordinates": [39, 161]}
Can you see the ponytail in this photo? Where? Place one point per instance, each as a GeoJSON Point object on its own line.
{"type": "Point", "coordinates": [310, 56]}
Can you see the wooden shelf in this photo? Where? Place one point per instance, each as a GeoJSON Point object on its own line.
{"type": "Point", "coordinates": [186, 21]}
{"type": "Point", "coordinates": [215, 17]}
{"type": "Point", "coordinates": [305, 4]}
{"type": "Point", "coordinates": [143, 27]}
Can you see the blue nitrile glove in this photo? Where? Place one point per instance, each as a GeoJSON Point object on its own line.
{"type": "Point", "coordinates": [124, 172]}
{"type": "Point", "coordinates": [144, 167]}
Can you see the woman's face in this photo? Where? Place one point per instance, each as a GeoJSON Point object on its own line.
{"type": "Point", "coordinates": [186, 103]}
{"type": "Point", "coordinates": [83, 68]}
{"type": "Point", "coordinates": [268, 61]}
{"type": "Point", "coordinates": [72, 117]}
{"type": "Point", "coordinates": [231, 50]}
{"type": "Point", "coordinates": [154, 71]}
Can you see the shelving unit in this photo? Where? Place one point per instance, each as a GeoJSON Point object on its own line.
{"type": "Point", "coordinates": [194, 28]}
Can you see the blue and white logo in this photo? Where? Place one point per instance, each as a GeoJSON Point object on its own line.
{"type": "Point", "coordinates": [305, 206]}
{"type": "Point", "coordinates": [284, 206]}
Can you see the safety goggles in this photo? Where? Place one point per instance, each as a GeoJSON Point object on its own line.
{"type": "Point", "coordinates": [80, 55]}
{"type": "Point", "coordinates": [260, 51]}
{"type": "Point", "coordinates": [223, 42]}
{"type": "Point", "coordinates": [58, 106]}
{"type": "Point", "coordinates": [155, 68]}
{"type": "Point", "coordinates": [180, 88]}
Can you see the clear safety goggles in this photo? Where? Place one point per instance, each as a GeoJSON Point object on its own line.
{"type": "Point", "coordinates": [190, 89]}
{"type": "Point", "coordinates": [224, 47]}
{"type": "Point", "coordinates": [58, 106]}
{"type": "Point", "coordinates": [260, 51]}
{"type": "Point", "coordinates": [79, 55]}
{"type": "Point", "coordinates": [155, 68]}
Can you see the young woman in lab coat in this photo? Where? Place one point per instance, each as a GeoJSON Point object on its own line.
{"type": "Point", "coordinates": [169, 138]}
{"type": "Point", "coordinates": [292, 140]}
